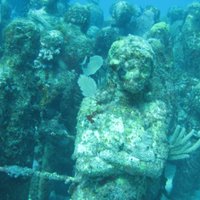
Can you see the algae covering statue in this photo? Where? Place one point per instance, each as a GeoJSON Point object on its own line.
{"type": "Point", "coordinates": [121, 143]}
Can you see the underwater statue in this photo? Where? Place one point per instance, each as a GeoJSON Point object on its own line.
{"type": "Point", "coordinates": [52, 7]}
{"type": "Point", "coordinates": [121, 142]}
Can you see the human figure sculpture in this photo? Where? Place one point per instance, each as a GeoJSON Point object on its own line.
{"type": "Point", "coordinates": [121, 132]}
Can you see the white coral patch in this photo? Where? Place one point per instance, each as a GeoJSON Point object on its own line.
{"type": "Point", "coordinates": [117, 125]}
{"type": "Point", "coordinates": [87, 134]}
{"type": "Point", "coordinates": [81, 149]}
{"type": "Point", "coordinates": [96, 134]}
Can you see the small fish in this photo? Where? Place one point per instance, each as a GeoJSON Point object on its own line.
{"type": "Point", "coordinates": [170, 171]}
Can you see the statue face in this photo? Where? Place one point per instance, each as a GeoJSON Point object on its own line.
{"type": "Point", "coordinates": [133, 76]}
{"type": "Point", "coordinates": [131, 59]}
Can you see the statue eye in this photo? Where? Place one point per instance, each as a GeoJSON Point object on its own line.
{"type": "Point", "coordinates": [121, 72]}
{"type": "Point", "coordinates": [121, 147]}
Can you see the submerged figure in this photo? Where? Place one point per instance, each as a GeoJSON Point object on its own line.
{"type": "Point", "coordinates": [53, 7]}
{"type": "Point", "coordinates": [121, 132]}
